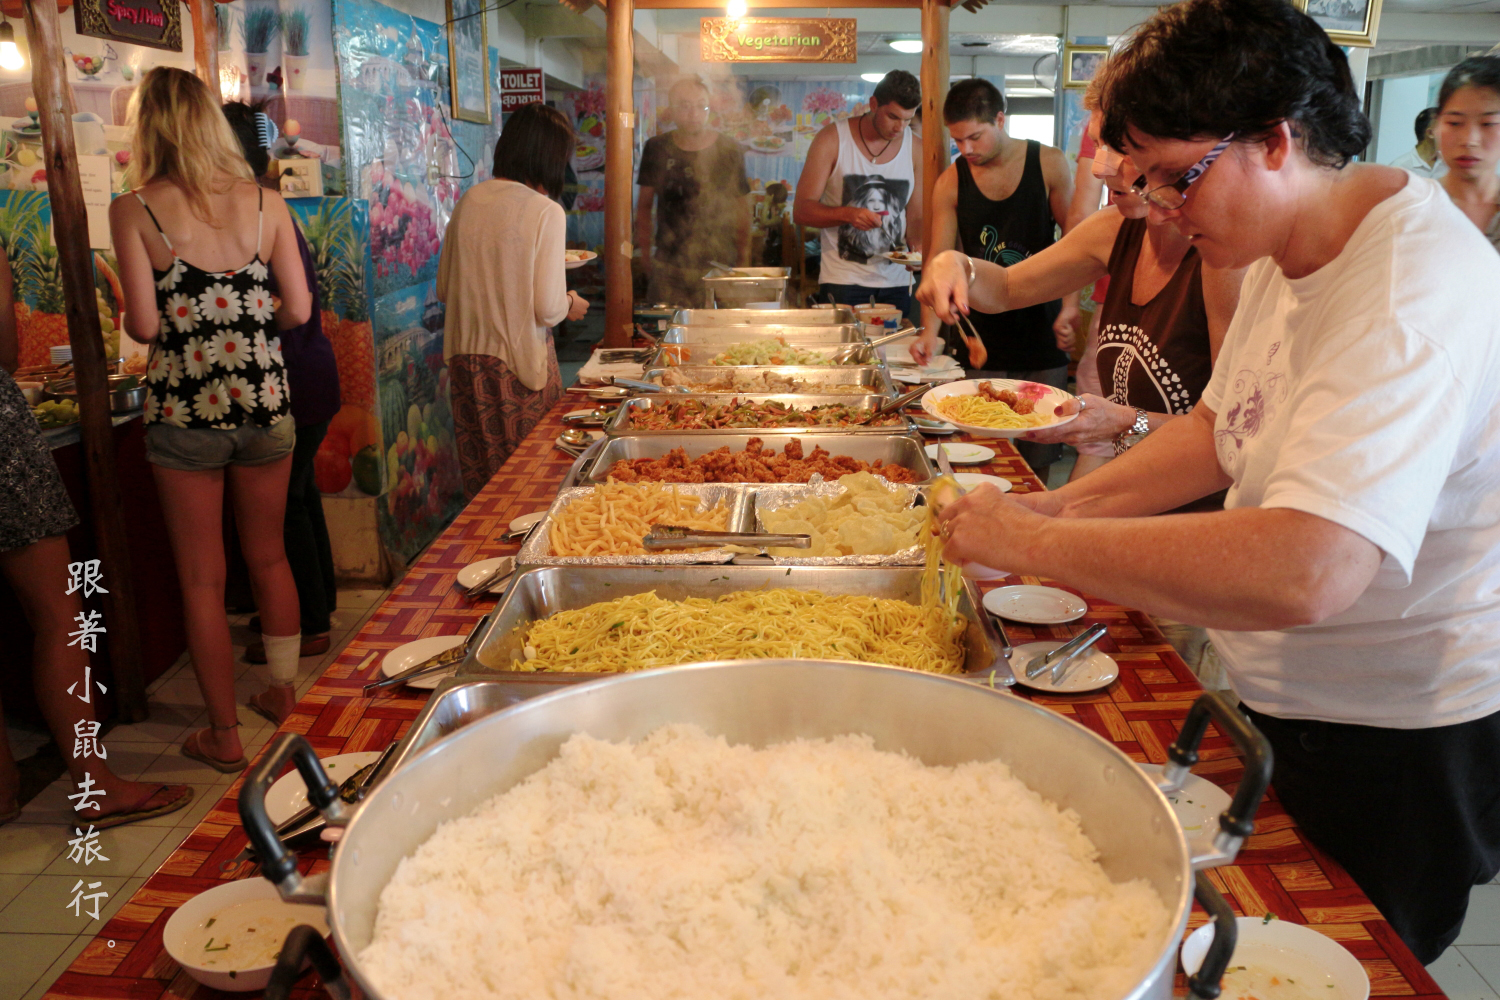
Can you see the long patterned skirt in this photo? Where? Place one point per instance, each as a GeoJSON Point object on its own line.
{"type": "Point", "coordinates": [493, 411]}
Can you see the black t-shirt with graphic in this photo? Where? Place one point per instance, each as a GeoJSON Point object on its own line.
{"type": "Point", "coordinates": [698, 192]}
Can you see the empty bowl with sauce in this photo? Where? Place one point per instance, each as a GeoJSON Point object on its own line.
{"type": "Point", "coordinates": [229, 936]}
{"type": "Point", "coordinates": [1279, 960]}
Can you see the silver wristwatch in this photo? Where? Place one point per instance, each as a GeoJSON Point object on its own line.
{"type": "Point", "coordinates": [1133, 435]}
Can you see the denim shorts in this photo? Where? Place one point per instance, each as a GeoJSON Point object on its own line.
{"type": "Point", "coordinates": [201, 449]}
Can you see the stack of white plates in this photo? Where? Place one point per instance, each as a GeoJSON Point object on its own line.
{"type": "Point", "coordinates": [61, 353]}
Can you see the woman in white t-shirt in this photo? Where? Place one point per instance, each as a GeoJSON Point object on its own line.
{"type": "Point", "coordinates": [1468, 138]}
{"type": "Point", "coordinates": [1350, 584]}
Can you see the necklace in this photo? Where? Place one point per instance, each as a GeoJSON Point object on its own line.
{"type": "Point", "coordinates": [873, 156]}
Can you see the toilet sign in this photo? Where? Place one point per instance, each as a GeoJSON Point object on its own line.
{"type": "Point", "coordinates": [518, 87]}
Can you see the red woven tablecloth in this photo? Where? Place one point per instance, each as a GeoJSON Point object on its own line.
{"type": "Point", "coordinates": [1278, 870]}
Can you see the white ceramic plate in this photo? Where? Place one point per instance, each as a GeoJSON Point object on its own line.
{"type": "Point", "coordinates": [288, 795]}
{"type": "Point", "coordinates": [1048, 399]}
{"type": "Point", "coordinates": [182, 926]}
{"type": "Point", "coordinates": [962, 452]}
{"type": "Point", "coordinates": [929, 426]}
{"type": "Point", "coordinates": [476, 571]}
{"type": "Point", "coordinates": [407, 656]}
{"type": "Point", "coordinates": [1098, 670]}
{"type": "Point", "coordinates": [522, 523]}
{"type": "Point", "coordinates": [905, 260]}
{"type": "Point", "coordinates": [570, 264]}
{"type": "Point", "coordinates": [1035, 605]}
{"type": "Point", "coordinates": [1197, 805]}
{"type": "Point", "coordinates": [969, 480]}
{"type": "Point", "coordinates": [1289, 951]}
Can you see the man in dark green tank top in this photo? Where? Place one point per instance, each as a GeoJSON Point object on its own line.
{"type": "Point", "coordinates": [1001, 201]}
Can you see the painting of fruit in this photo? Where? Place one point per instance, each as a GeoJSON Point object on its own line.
{"type": "Point", "coordinates": [347, 462]}
{"type": "Point", "coordinates": [335, 232]}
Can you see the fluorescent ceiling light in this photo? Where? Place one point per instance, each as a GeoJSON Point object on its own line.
{"type": "Point", "coordinates": [872, 77]}
{"type": "Point", "coordinates": [911, 46]}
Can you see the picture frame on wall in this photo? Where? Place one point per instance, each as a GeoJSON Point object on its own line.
{"type": "Point", "coordinates": [1081, 62]}
{"type": "Point", "coordinates": [1348, 22]}
{"type": "Point", "coordinates": [469, 60]}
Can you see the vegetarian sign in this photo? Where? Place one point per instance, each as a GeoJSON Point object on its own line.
{"type": "Point", "coordinates": [779, 39]}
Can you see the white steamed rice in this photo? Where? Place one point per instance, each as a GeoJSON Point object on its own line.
{"type": "Point", "coordinates": [684, 867]}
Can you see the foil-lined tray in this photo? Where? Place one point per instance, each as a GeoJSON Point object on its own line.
{"type": "Point", "coordinates": [779, 495]}
{"type": "Point", "coordinates": [537, 549]}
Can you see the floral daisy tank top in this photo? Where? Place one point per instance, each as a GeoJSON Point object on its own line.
{"type": "Point", "coordinates": [214, 365]}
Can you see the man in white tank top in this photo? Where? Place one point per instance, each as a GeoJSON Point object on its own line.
{"type": "Point", "coordinates": [862, 186]}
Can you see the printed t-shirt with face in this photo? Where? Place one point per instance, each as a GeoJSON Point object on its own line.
{"type": "Point", "coordinates": [1368, 393]}
{"type": "Point", "coordinates": [849, 254]}
{"type": "Point", "coordinates": [699, 198]}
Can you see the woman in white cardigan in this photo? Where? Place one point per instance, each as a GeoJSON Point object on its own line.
{"type": "Point", "coordinates": [501, 277]}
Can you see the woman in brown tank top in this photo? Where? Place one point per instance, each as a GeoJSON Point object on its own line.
{"type": "Point", "coordinates": [1162, 320]}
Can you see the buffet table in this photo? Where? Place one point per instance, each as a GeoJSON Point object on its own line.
{"type": "Point", "coordinates": [1278, 871]}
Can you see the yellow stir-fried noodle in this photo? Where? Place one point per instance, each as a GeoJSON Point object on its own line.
{"type": "Point", "coordinates": [977, 411]}
{"type": "Point", "coordinates": [643, 631]}
{"type": "Point", "coordinates": [941, 582]}
{"type": "Point", "coordinates": [611, 520]}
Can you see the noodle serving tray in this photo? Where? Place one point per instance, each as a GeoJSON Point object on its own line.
{"type": "Point", "coordinates": [537, 550]}
{"type": "Point", "coordinates": [700, 352]}
{"type": "Point", "coordinates": [784, 379]}
{"type": "Point", "coordinates": [793, 335]}
{"type": "Point", "coordinates": [890, 448]}
{"type": "Point", "coordinates": [540, 592]}
{"type": "Point", "coordinates": [623, 421]}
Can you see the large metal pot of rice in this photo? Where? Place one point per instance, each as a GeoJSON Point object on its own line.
{"type": "Point", "coordinates": [941, 722]}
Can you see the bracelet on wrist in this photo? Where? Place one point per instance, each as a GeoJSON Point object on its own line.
{"type": "Point", "coordinates": [969, 266]}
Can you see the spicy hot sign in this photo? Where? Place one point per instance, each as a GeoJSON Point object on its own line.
{"type": "Point", "coordinates": [778, 39]}
{"type": "Point", "coordinates": [139, 22]}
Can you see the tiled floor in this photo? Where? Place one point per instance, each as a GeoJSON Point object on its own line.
{"type": "Point", "coordinates": [1470, 970]}
{"type": "Point", "coordinates": [39, 935]}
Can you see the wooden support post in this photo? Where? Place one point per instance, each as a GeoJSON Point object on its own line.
{"type": "Point", "coordinates": [70, 227]}
{"type": "Point", "coordinates": [206, 42]}
{"type": "Point", "coordinates": [934, 93]}
{"type": "Point", "coordinates": [619, 163]}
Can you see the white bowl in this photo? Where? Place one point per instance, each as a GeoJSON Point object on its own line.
{"type": "Point", "coordinates": [1048, 400]}
{"type": "Point", "coordinates": [1289, 950]}
{"type": "Point", "coordinates": [195, 913]}
{"type": "Point", "coordinates": [32, 391]}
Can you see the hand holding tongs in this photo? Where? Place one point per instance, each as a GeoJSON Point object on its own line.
{"type": "Point", "coordinates": [671, 536]}
{"type": "Point", "coordinates": [894, 405]}
{"type": "Point", "coordinates": [1064, 658]}
{"type": "Point", "coordinates": [865, 353]}
{"type": "Point", "coordinates": [432, 664]}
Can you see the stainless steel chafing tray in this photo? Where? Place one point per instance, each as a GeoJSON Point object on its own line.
{"type": "Point", "coordinates": [537, 549]}
{"type": "Point", "coordinates": [867, 379]}
{"type": "Point", "coordinates": [796, 336]}
{"type": "Point", "coordinates": [765, 317]}
{"type": "Point", "coordinates": [699, 353]}
{"type": "Point", "coordinates": [744, 286]}
{"type": "Point", "coordinates": [623, 421]}
{"type": "Point", "coordinates": [539, 593]}
{"type": "Point", "coordinates": [891, 449]}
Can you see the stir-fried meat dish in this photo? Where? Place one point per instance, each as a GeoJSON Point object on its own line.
{"type": "Point", "coordinates": [756, 464]}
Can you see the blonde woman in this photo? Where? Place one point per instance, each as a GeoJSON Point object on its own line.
{"type": "Point", "coordinates": [197, 240]}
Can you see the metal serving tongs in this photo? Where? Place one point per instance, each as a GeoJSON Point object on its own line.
{"type": "Point", "coordinates": [352, 790]}
{"type": "Point", "coordinates": [671, 536]}
{"type": "Point", "coordinates": [432, 664]}
{"type": "Point", "coordinates": [894, 405]}
{"type": "Point", "coordinates": [640, 385]}
{"type": "Point", "coordinates": [864, 354]}
{"type": "Point", "coordinates": [1064, 658]}
{"type": "Point", "coordinates": [626, 355]}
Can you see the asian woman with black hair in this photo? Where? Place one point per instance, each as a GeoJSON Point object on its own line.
{"type": "Point", "coordinates": [1468, 138]}
{"type": "Point", "coordinates": [501, 275]}
{"type": "Point", "coordinates": [1350, 584]}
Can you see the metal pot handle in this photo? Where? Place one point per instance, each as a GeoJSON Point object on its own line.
{"type": "Point", "coordinates": [1237, 822]}
{"type": "Point", "coordinates": [576, 469]}
{"type": "Point", "coordinates": [278, 864]}
{"type": "Point", "coordinates": [305, 944]}
{"type": "Point", "coordinates": [1205, 983]}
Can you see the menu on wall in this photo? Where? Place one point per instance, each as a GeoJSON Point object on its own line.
{"type": "Point", "coordinates": [93, 174]}
{"type": "Point", "coordinates": [157, 23]}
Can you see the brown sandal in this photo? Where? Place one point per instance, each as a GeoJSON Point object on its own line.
{"type": "Point", "coordinates": [192, 749]}
{"type": "Point", "coordinates": [178, 796]}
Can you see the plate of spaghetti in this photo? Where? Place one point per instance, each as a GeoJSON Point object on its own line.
{"type": "Point", "coordinates": [998, 407]}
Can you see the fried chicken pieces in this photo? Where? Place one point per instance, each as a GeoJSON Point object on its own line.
{"type": "Point", "coordinates": [1008, 397]}
{"type": "Point", "coordinates": [756, 464]}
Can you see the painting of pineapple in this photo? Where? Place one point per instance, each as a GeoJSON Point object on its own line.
{"type": "Point", "coordinates": [335, 236]}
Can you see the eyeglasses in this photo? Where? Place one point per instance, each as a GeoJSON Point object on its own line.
{"type": "Point", "coordinates": [1174, 195]}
